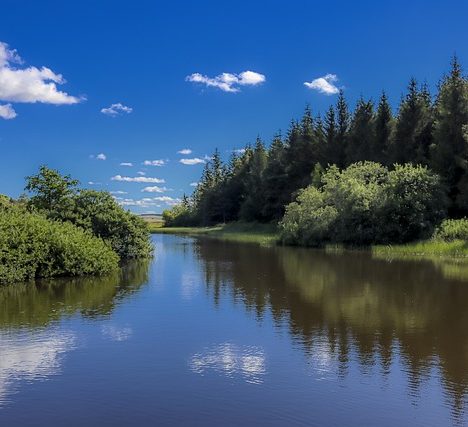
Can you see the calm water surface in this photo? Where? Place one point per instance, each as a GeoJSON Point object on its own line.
{"type": "Point", "coordinates": [213, 333]}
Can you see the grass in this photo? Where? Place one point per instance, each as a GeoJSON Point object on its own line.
{"type": "Point", "coordinates": [262, 234]}
{"type": "Point", "coordinates": [424, 249]}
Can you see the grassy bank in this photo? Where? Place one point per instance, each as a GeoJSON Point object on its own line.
{"type": "Point", "coordinates": [424, 249]}
{"type": "Point", "coordinates": [263, 234]}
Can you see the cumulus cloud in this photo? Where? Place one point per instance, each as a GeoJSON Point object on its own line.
{"type": "Point", "coordinates": [126, 164]}
{"type": "Point", "coordinates": [155, 189]}
{"type": "Point", "coordinates": [228, 82]}
{"type": "Point", "coordinates": [7, 112]}
{"type": "Point", "coordinates": [141, 173]}
{"type": "Point", "coordinates": [147, 202]}
{"type": "Point", "coordinates": [194, 161]}
{"type": "Point", "coordinates": [185, 151]}
{"type": "Point", "coordinates": [116, 110]}
{"type": "Point", "coordinates": [193, 184]}
{"type": "Point", "coordinates": [101, 156]}
{"type": "Point", "coordinates": [28, 84]}
{"type": "Point", "coordinates": [118, 192]}
{"type": "Point", "coordinates": [324, 84]}
{"type": "Point", "coordinates": [145, 179]}
{"type": "Point", "coordinates": [159, 162]}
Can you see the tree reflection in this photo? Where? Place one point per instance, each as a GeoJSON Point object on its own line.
{"type": "Point", "coordinates": [37, 304]}
{"type": "Point", "coordinates": [373, 307]}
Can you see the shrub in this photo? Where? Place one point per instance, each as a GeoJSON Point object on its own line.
{"type": "Point", "coordinates": [178, 216]}
{"type": "Point", "coordinates": [59, 198]}
{"type": "Point", "coordinates": [32, 246]}
{"type": "Point", "coordinates": [452, 229]}
{"type": "Point", "coordinates": [366, 203]}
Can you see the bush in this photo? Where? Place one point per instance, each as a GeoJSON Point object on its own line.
{"type": "Point", "coordinates": [32, 246]}
{"type": "Point", "coordinates": [59, 198]}
{"type": "Point", "coordinates": [178, 216]}
{"type": "Point", "coordinates": [364, 204]}
{"type": "Point", "coordinates": [452, 229]}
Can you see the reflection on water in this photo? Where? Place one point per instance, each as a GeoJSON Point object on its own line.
{"type": "Point", "coordinates": [28, 351]}
{"type": "Point", "coordinates": [30, 357]}
{"type": "Point", "coordinates": [338, 305]}
{"type": "Point", "coordinates": [235, 334]}
{"type": "Point", "coordinates": [231, 361]}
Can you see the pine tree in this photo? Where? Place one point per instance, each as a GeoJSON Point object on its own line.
{"type": "Point", "coordinates": [383, 129]}
{"type": "Point", "coordinates": [413, 127]}
{"type": "Point", "coordinates": [251, 209]}
{"type": "Point", "coordinates": [450, 146]}
{"type": "Point", "coordinates": [275, 182]}
{"type": "Point", "coordinates": [331, 132]}
{"type": "Point", "coordinates": [361, 132]}
{"type": "Point", "coordinates": [339, 151]}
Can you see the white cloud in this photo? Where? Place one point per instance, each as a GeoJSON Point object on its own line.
{"type": "Point", "coordinates": [137, 179]}
{"type": "Point", "coordinates": [194, 161]}
{"type": "Point", "coordinates": [155, 189]}
{"type": "Point", "coordinates": [239, 151]}
{"type": "Point", "coordinates": [185, 151]}
{"type": "Point", "coordinates": [94, 183]}
{"type": "Point", "coordinates": [193, 184]}
{"type": "Point", "coordinates": [116, 110]}
{"type": "Point", "coordinates": [324, 84]}
{"type": "Point", "coordinates": [141, 173]}
{"type": "Point", "coordinates": [147, 202]}
{"type": "Point", "coordinates": [30, 84]}
{"type": "Point", "coordinates": [7, 112]}
{"type": "Point", "coordinates": [160, 162]}
{"type": "Point", "coordinates": [101, 156]}
{"type": "Point", "coordinates": [118, 192]}
{"type": "Point", "coordinates": [126, 164]}
{"type": "Point", "coordinates": [228, 82]}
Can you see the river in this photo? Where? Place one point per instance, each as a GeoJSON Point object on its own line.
{"type": "Point", "coordinates": [213, 333]}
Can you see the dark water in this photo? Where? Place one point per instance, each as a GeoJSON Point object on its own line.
{"type": "Point", "coordinates": [221, 334]}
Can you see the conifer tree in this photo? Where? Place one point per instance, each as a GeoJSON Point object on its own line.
{"type": "Point", "coordinates": [450, 155]}
{"type": "Point", "coordinates": [361, 132]}
{"type": "Point", "coordinates": [383, 129]}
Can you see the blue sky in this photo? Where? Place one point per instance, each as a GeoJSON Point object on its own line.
{"type": "Point", "coordinates": [141, 55]}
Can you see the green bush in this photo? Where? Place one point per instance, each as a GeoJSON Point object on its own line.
{"type": "Point", "coordinates": [452, 229]}
{"type": "Point", "coordinates": [32, 246]}
{"type": "Point", "coordinates": [364, 204]}
{"type": "Point", "coordinates": [59, 198]}
{"type": "Point", "coordinates": [178, 216]}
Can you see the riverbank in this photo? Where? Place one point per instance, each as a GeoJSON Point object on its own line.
{"type": "Point", "coordinates": [268, 234]}
{"type": "Point", "coordinates": [262, 234]}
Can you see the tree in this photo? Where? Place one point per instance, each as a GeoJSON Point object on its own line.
{"type": "Point", "coordinates": [275, 182]}
{"type": "Point", "coordinates": [413, 127]}
{"type": "Point", "coordinates": [252, 208]}
{"type": "Point", "coordinates": [52, 192]}
{"type": "Point", "coordinates": [450, 146]}
{"type": "Point", "coordinates": [383, 129]}
{"type": "Point", "coordinates": [339, 150]}
{"type": "Point", "coordinates": [361, 133]}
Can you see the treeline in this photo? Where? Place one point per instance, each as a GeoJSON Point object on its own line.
{"type": "Point", "coordinates": [258, 183]}
{"type": "Point", "coordinates": [61, 229]}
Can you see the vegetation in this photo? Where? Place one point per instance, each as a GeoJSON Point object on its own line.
{"type": "Point", "coordinates": [58, 197]}
{"type": "Point", "coordinates": [62, 230]}
{"type": "Point", "coordinates": [366, 203]}
{"type": "Point", "coordinates": [32, 246]}
{"type": "Point", "coordinates": [424, 143]}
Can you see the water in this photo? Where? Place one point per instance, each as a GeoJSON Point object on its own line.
{"type": "Point", "coordinates": [213, 333]}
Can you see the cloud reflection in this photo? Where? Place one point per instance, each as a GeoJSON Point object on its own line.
{"type": "Point", "coordinates": [228, 359]}
{"type": "Point", "coordinates": [30, 356]}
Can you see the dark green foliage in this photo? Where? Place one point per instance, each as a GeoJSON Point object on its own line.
{"type": "Point", "coordinates": [32, 246]}
{"type": "Point", "coordinates": [366, 203]}
{"type": "Point", "coordinates": [58, 197]}
{"type": "Point", "coordinates": [413, 130]}
{"type": "Point", "coordinates": [361, 133]}
{"type": "Point", "coordinates": [450, 155]}
{"type": "Point", "coordinates": [383, 130]}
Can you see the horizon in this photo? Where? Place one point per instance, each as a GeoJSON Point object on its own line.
{"type": "Point", "coordinates": [134, 103]}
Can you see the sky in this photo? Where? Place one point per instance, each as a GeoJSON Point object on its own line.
{"type": "Point", "coordinates": [133, 97]}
